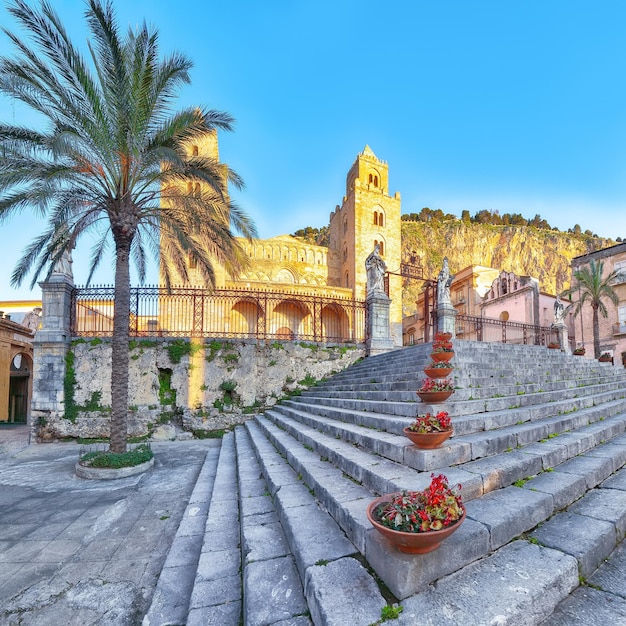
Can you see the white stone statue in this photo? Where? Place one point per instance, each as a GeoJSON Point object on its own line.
{"type": "Point", "coordinates": [375, 268]}
{"type": "Point", "coordinates": [559, 312]}
{"type": "Point", "coordinates": [444, 281]}
{"type": "Point", "coordinates": [64, 265]}
{"type": "Point", "coordinates": [32, 320]}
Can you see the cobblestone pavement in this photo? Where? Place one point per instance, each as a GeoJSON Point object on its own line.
{"type": "Point", "coordinates": [81, 552]}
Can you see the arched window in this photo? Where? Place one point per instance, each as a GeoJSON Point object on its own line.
{"type": "Point", "coordinates": [381, 246]}
{"type": "Point", "coordinates": [381, 219]}
{"type": "Point", "coordinates": [197, 190]}
{"type": "Point", "coordinates": [371, 178]}
{"type": "Point", "coordinates": [194, 151]}
{"type": "Point", "coordinates": [193, 262]}
{"type": "Point", "coordinates": [189, 188]}
{"type": "Point", "coordinates": [375, 181]}
{"type": "Point", "coordinates": [345, 226]}
{"type": "Point", "coordinates": [375, 218]}
{"type": "Point", "coordinates": [347, 279]}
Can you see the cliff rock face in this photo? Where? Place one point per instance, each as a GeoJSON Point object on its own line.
{"type": "Point", "coordinates": [527, 251]}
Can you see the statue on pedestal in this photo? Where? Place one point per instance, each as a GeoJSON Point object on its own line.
{"type": "Point", "coordinates": [375, 268]}
{"type": "Point", "coordinates": [444, 280]}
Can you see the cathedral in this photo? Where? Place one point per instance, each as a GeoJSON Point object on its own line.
{"type": "Point", "coordinates": [368, 215]}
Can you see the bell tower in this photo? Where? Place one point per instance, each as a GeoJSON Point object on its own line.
{"type": "Point", "coordinates": [368, 215]}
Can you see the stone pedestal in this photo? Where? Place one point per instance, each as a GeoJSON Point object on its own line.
{"type": "Point", "coordinates": [561, 336]}
{"type": "Point", "coordinates": [50, 347]}
{"type": "Point", "coordinates": [446, 319]}
{"type": "Point", "coordinates": [378, 333]}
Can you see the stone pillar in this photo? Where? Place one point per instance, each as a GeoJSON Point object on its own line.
{"type": "Point", "coordinates": [50, 347]}
{"type": "Point", "coordinates": [378, 334]}
{"type": "Point", "coordinates": [446, 319]}
{"type": "Point", "coordinates": [561, 336]}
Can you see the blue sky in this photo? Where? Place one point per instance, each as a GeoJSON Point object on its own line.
{"type": "Point", "coordinates": [519, 107]}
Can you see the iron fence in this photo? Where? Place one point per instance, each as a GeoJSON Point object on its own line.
{"type": "Point", "coordinates": [225, 313]}
{"type": "Point", "coordinates": [494, 330]}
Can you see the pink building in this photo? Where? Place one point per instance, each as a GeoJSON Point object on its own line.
{"type": "Point", "coordinates": [613, 327]}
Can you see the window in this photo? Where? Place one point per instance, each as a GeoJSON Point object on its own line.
{"type": "Point", "coordinates": [345, 226]}
{"type": "Point", "coordinates": [382, 246]}
{"type": "Point", "coordinates": [381, 219]}
{"type": "Point", "coordinates": [347, 279]}
{"type": "Point", "coordinates": [197, 190]}
{"type": "Point", "coordinates": [189, 188]}
{"type": "Point", "coordinates": [194, 151]}
{"type": "Point", "coordinates": [504, 316]}
{"type": "Point", "coordinates": [375, 181]}
{"type": "Point", "coordinates": [193, 262]}
{"type": "Point", "coordinates": [375, 218]}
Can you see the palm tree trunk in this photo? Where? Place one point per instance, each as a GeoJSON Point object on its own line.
{"type": "Point", "coordinates": [596, 333]}
{"type": "Point", "coordinates": [119, 355]}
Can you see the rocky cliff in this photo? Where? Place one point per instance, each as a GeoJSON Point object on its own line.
{"type": "Point", "coordinates": [527, 251]}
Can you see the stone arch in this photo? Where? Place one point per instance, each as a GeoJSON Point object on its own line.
{"type": "Point", "coordinates": [291, 317]}
{"type": "Point", "coordinates": [335, 323]}
{"type": "Point", "coordinates": [246, 318]}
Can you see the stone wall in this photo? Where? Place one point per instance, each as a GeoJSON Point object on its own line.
{"type": "Point", "coordinates": [194, 386]}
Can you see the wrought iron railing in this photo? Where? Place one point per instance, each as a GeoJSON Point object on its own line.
{"type": "Point", "coordinates": [225, 313]}
{"type": "Point", "coordinates": [494, 330]}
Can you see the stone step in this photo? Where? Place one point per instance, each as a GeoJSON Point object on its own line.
{"type": "Point", "coordinates": [217, 589]}
{"type": "Point", "coordinates": [338, 589]}
{"type": "Point", "coordinates": [471, 440]}
{"type": "Point", "coordinates": [494, 519]}
{"type": "Point", "coordinates": [170, 602]}
{"type": "Point", "coordinates": [272, 588]}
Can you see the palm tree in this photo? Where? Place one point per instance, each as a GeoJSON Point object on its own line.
{"type": "Point", "coordinates": [594, 289]}
{"type": "Point", "coordinates": [113, 162]}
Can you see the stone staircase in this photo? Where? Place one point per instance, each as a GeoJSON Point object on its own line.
{"type": "Point", "coordinates": [538, 447]}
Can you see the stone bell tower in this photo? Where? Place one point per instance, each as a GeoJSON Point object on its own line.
{"type": "Point", "coordinates": [368, 215]}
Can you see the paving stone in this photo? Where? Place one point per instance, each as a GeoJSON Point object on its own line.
{"type": "Point", "coordinates": [216, 592]}
{"type": "Point", "coordinates": [588, 606]}
{"type": "Point", "coordinates": [604, 504]}
{"type": "Point", "coordinates": [519, 584]}
{"type": "Point", "coordinates": [594, 469]}
{"type": "Point", "coordinates": [589, 541]}
{"type": "Point", "coordinates": [509, 512]}
{"type": "Point", "coordinates": [342, 592]}
{"type": "Point", "coordinates": [611, 575]}
{"type": "Point", "coordinates": [272, 591]}
{"type": "Point", "coordinates": [564, 488]}
{"type": "Point", "coordinates": [227, 614]}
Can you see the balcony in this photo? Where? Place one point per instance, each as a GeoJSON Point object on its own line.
{"type": "Point", "coordinates": [619, 329]}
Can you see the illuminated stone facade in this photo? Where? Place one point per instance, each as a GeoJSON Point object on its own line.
{"type": "Point", "coordinates": [368, 215]}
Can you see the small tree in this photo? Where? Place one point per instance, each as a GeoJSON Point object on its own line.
{"type": "Point", "coordinates": [594, 289]}
{"type": "Point", "coordinates": [113, 161]}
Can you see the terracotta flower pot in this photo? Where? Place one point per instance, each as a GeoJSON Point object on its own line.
{"type": "Point", "coordinates": [438, 372]}
{"type": "Point", "coordinates": [434, 397]}
{"type": "Point", "coordinates": [428, 441]}
{"type": "Point", "coordinates": [441, 356]}
{"type": "Point", "coordinates": [411, 543]}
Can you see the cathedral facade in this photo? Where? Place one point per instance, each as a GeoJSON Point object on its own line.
{"type": "Point", "coordinates": [368, 215]}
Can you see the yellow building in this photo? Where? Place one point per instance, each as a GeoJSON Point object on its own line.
{"type": "Point", "coordinates": [368, 215]}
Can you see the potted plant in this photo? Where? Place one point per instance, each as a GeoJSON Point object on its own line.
{"type": "Point", "coordinates": [605, 357]}
{"type": "Point", "coordinates": [417, 522]}
{"type": "Point", "coordinates": [442, 349]}
{"type": "Point", "coordinates": [429, 431]}
{"type": "Point", "coordinates": [553, 345]}
{"type": "Point", "coordinates": [580, 351]}
{"type": "Point", "coordinates": [438, 369]}
{"type": "Point", "coordinates": [435, 390]}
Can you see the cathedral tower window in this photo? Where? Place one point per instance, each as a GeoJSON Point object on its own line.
{"type": "Point", "coordinates": [347, 279]}
{"type": "Point", "coordinates": [189, 188]}
{"type": "Point", "coordinates": [194, 151]}
{"type": "Point", "coordinates": [197, 190]}
{"type": "Point", "coordinates": [382, 246]}
{"type": "Point", "coordinates": [193, 262]}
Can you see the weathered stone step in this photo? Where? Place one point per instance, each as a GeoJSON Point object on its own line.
{"type": "Point", "coordinates": [493, 520]}
{"type": "Point", "coordinates": [171, 598]}
{"type": "Point", "coordinates": [462, 447]}
{"type": "Point", "coordinates": [216, 596]}
{"type": "Point", "coordinates": [323, 554]}
{"type": "Point", "coordinates": [520, 584]}
{"type": "Point", "coordinates": [272, 588]}
{"type": "Point", "coordinates": [543, 403]}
